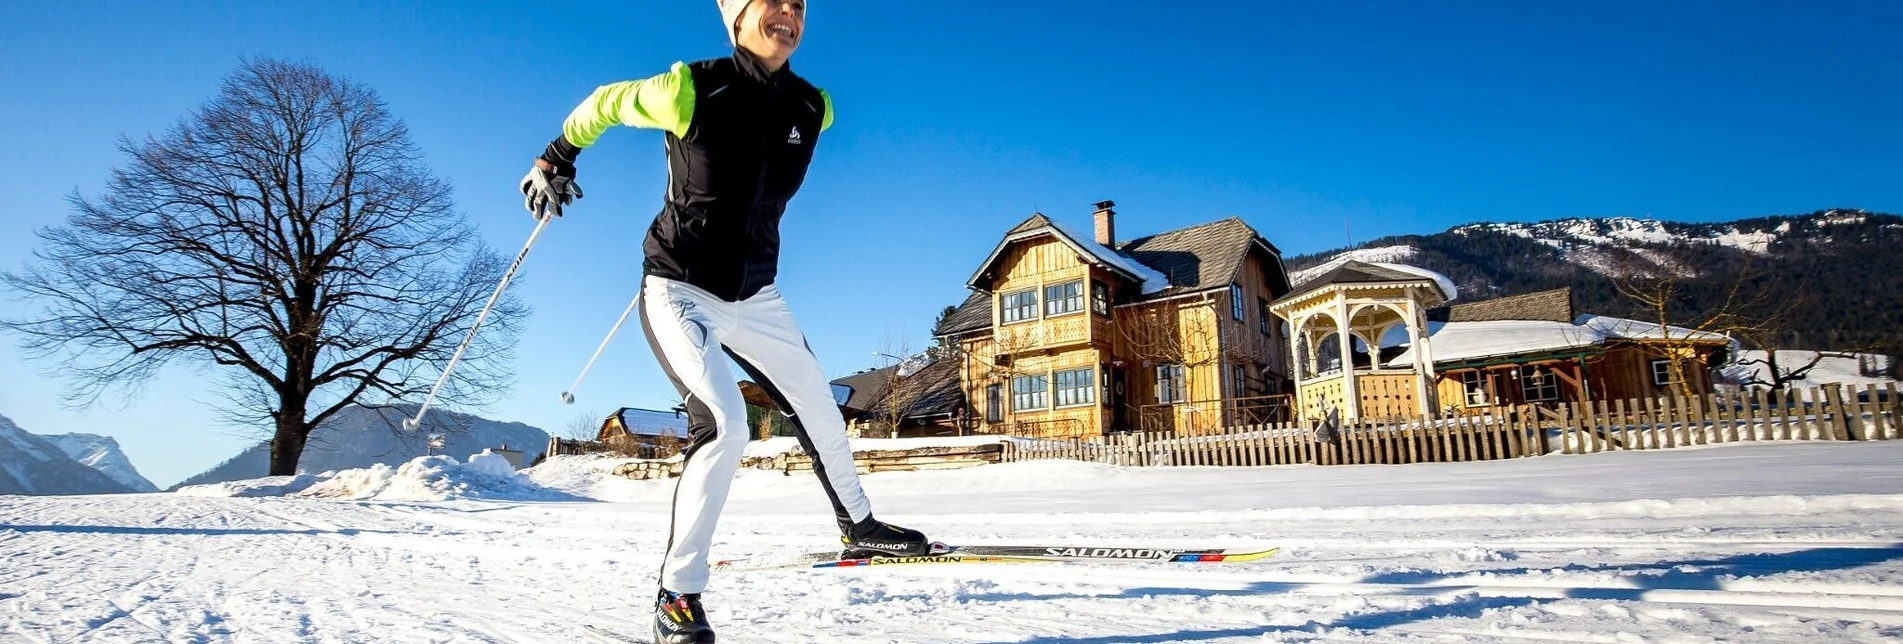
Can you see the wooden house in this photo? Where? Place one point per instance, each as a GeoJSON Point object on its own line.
{"type": "Point", "coordinates": [1067, 335]}
{"type": "Point", "coordinates": [915, 398]}
{"type": "Point", "coordinates": [644, 433]}
{"type": "Point", "coordinates": [1529, 349]}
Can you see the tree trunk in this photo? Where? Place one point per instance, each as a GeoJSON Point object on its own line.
{"type": "Point", "coordinates": [287, 443]}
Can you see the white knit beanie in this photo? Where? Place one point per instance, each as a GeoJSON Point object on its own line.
{"type": "Point", "coordinates": [730, 11]}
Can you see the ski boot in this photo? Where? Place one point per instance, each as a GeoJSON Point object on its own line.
{"type": "Point", "coordinates": [872, 538]}
{"type": "Point", "coordinates": [678, 619]}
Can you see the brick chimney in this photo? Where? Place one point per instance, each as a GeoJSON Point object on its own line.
{"type": "Point", "coordinates": [1106, 224]}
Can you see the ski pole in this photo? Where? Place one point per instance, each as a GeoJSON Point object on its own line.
{"type": "Point", "coordinates": [568, 396]}
{"type": "Point", "coordinates": [413, 423]}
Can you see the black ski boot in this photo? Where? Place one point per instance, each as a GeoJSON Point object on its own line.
{"type": "Point", "coordinates": [678, 619]}
{"type": "Point", "coordinates": [873, 538]}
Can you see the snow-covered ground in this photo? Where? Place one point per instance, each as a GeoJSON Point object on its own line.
{"type": "Point", "coordinates": [1791, 542]}
{"type": "Point", "coordinates": [1842, 369]}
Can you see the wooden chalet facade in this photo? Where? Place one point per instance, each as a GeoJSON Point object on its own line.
{"type": "Point", "coordinates": [1072, 336]}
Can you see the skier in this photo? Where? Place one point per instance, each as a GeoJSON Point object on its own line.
{"type": "Point", "coordinates": [740, 132]}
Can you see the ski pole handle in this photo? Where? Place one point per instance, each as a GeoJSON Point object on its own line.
{"type": "Point", "coordinates": [413, 423]}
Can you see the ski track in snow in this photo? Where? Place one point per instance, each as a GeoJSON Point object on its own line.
{"type": "Point", "coordinates": [1751, 556]}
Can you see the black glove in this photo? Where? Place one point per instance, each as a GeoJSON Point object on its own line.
{"type": "Point", "coordinates": [550, 184]}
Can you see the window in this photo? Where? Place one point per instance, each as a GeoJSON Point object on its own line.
{"type": "Point", "coordinates": [1475, 382]}
{"type": "Point", "coordinates": [1099, 298]}
{"type": "Point", "coordinates": [1263, 323]}
{"type": "Point", "coordinates": [1060, 299]}
{"type": "Point", "coordinates": [1170, 387]}
{"type": "Point", "coordinates": [1662, 373]}
{"type": "Point", "coordinates": [1017, 307]}
{"type": "Point", "coordinates": [1027, 393]}
{"type": "Point", "coordinates": [1076, 387]}
{"type": "Point", "coordinates": [994, 403]}
{"type": "Point", "coordinates": [1539, 384]}
{"type": "Point", "coordinates": [1240, 376]}
{"type": "Point", "coordinates": [1235, 302]}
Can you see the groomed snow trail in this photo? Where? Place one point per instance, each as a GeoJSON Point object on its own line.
{"type": "Point", "coordinates": [1761, 543]}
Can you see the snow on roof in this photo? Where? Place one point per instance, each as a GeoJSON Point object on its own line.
{"type": "Point", "coordinates": [1463, 341]}
{"type": "Point", "coordinates": [648, 422]}
{"type": "Point", "coordinates": [1152, 281]}
{"type": "Point", "coordinates": [1624, 329]}
{"type": "Point", "coordinates": [1447, 287]}
{"type": "Point", "coordinates": [1374, 255]}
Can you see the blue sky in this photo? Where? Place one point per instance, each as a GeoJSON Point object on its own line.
{"type": "Point", "coordinates": [955, 121]}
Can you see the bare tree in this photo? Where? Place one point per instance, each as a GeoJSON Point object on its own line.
{"type": "Point", "coordinates": [285, 234]}
{"type": "Point", "coordinates": [1777, 373]}
{"type": "Point", "coordinates": [585, 425]}
{"type": "Point", "coordinates": [1655, 281]}
{"type": "Point", "coordinates": [901, 391]}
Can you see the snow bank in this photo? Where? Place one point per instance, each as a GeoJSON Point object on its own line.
{"type": "Point", "coordinates": [1841, 369]}
{"type": "Point", "coordinates": [266, 486]}
{"type": "Point", "coordinates": [592, 476]}
{"type": "Point", "coordinates": [426, 478]}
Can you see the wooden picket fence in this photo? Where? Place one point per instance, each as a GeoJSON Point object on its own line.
{"type": "Point", "coordinates": [1836, 413]}
{"type": "Point", "coordinates": [1471, 438]}
{"type": "Point", "coordinates": [1826, 413]}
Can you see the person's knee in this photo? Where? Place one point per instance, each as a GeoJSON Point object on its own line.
{"type": "Point", "coordinates": [734, 429]}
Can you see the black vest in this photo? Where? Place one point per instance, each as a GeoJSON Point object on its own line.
{"type": "Point", "coordinates": [729, 179]}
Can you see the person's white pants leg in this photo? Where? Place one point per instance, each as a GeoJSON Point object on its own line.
{"type": "Point", "coordinates": [692, 332]}
{"type": "Point", "coordinates": [768, 345]}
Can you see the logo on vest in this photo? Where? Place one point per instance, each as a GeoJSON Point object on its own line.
{"type": "Point", "coordinates": [794, 138]}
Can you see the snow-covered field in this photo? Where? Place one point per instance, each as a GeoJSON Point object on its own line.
{"type": "Point", "coordinates": [1795, 542]}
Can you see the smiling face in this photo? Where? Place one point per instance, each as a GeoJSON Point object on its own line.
{"type": "Point", "coordinates": [771, 29]}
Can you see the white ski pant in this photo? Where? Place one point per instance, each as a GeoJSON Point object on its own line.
{"type": "Point", "coordinates": [693, 333]}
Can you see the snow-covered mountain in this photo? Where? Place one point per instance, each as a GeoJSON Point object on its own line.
{"type": "Point", "coordinates": [102, 453]}
{"type": "Point", "coordinates": [359, 437]}
{"type": "Point", "coordinates": [30, 464]}
{"type": "Point", "coordinates": [1844, 264]}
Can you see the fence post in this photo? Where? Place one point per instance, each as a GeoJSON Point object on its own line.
{"type": "Point", "coordinates": [1873, 427]}
{"type": "Point", "coordinates": [1894, 410]}
{"type": "Point", "coordinates": [1763, 413]}
{"type": "Point", "coordinates": [1723, 430]}
{"type": "Point", "coordinates": [1839, 421]}
{"type": "Point", "coordinates": [1695, 420]}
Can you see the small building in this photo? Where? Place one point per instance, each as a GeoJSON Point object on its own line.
{"type": "Point", "coordinates": [922, 392]}
{"type": "Point", "coordinates": [1531, 349]}
{"type": "Point", "coordinates": [644, 433]}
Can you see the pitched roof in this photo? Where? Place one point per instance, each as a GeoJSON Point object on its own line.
{"type": "Point", "coordinates": [867, 387]}
{"type": "Point", "coordinates": [648, 422]}
{"type": "Point", "coordinates": [1038, 224]}
{"type": "Point", "coordinates": [1199, 257]}
{"type": "Point", "coordinates": [1357, 272]}
{"type": "Point", "coordinates": [934, 389]}
{"type": "Point", "coordinates": [1185, 260]}
{"type": "Point", "coordinates": [973, 315]}
{"type": "Point", "coordinates": [1554, 306]}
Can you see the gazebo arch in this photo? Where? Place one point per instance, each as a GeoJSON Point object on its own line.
{"type": "Point", "coordinates": [1367, 302]}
